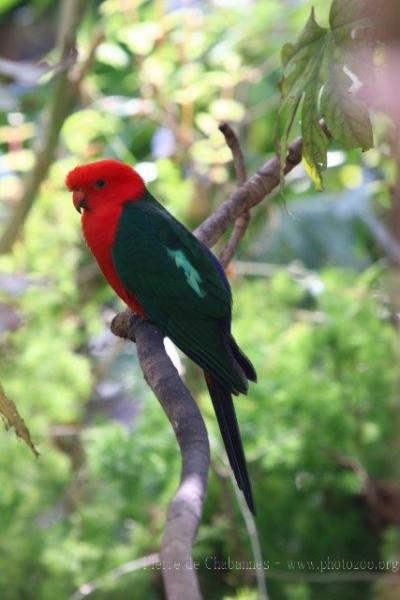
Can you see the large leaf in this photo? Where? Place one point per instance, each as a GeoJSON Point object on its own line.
{"type": "Point", "coordinates": [301, 59]}
{"type": "Point", "coordinates": [347, 120]}
{"type": "Point", "coordinates": [316, 62]}
{"type": "Point", "coordinates": [346, 17]}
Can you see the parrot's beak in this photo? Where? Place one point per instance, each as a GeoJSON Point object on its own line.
{"type": "Point", "coordinates": [79, 200]}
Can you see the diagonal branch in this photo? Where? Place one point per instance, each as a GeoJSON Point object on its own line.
{"type": "Point", "coordinates": [251, 193]}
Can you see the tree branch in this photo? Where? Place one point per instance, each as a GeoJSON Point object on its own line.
{"type": "Point", "coordinates": [185, 510]}
{"type": "Point", "coordinates": [243, 220]}
{"type": "Point", "coordinates": [252, 192]}
{"type": "Point", "coordinates": [238, 159]}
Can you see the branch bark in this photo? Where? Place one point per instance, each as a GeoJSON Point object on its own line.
{"type": "Point", "coordinates": [185, 510]}
{"type": "Point", "coordinates": [251, 193]}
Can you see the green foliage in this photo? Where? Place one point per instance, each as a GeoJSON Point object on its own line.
{"type": "Point", "coordinates": [329, 374]}
{"type": "Point", "coordinates": [317, 61]}
{"type": "Point", "coordinates": [6, 5]}
{"type": "Point", "coordinates": [321, 339]}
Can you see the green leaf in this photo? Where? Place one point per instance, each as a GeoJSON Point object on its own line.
{"type": "Point", "coordinates": [289, 107]}
{"type": "Point", "coordinates": [346, 118]}
{"type": "Point", "coordinates": [315, 142]}
{"type": "Point", "coordinates": [303, 61]}
{"type": "Point", "coordinates": [302, 57]}
{"type": "Point", "coordinates": [300, 73]}
{"type": "Point", "coordinates": [314, 63]}
{"type": "Point", "coordinates": [346, 16]}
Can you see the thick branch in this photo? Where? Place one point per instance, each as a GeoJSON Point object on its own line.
{"type": "Point", "coordinates": [65, 93]}
{"type": "Point", "coordinates": [184, 512]}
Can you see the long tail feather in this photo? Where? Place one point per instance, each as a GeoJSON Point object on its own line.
{"type": "Point", "coordinates": [225, 412]}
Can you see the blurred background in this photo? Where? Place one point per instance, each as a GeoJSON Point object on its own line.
{"type": "Point", "coordinates": [317, 298]}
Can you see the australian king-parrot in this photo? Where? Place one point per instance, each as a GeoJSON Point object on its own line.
{"type": "Point", "coordinates": [165, 274]}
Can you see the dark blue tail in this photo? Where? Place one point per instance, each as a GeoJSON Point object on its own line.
{"type": "Point", "coordinates": [226, 416]}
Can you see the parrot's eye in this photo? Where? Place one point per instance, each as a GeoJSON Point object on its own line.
{"type": "Point", "coordinates": [100, 183]}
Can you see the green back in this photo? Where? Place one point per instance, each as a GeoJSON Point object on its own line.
{"type": "Point", "coordinates": [179, 283]}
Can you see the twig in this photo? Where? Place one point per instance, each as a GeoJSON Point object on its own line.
{"type": "Point", "coordinates": [87, 589]}
{"type": "Point", "coordinates": [255, 545]}
{"type": "Point", "coordinates": [87, 64]}
{"type": "Point", "coordinates": [238, 233]}
{"type": "Point", "coordinates": [243, 220]}
{"type": "Point", "coordinates": [237, 154]}
{"type": "Point", "coordinates": [30, 73]}
{"type": "Point", "coordinates": [66, 92]}
{"type": "Point", "coordinates": [185, 510]}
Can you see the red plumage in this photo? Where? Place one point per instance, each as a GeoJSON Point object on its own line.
{"type": "Point", "coordinates": [100, 225]}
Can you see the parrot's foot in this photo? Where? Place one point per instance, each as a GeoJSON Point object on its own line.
{"type": "Point", "coordinates": [123, 324]}
{"type": "Point", "coordinates": [134, 321]}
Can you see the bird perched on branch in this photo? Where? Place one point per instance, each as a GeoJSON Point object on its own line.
{"type": "Point", "coordinates": [167, 275]}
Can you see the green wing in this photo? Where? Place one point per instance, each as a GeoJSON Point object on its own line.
{"type": "Point", "coordinates": [179, 283]}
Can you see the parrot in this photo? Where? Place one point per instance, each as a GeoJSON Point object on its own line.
{"type": "Point", "coordinates": [166, 275]}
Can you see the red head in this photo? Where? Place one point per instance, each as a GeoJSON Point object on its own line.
{"type": "Point", "coordinates": [106, 182]}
